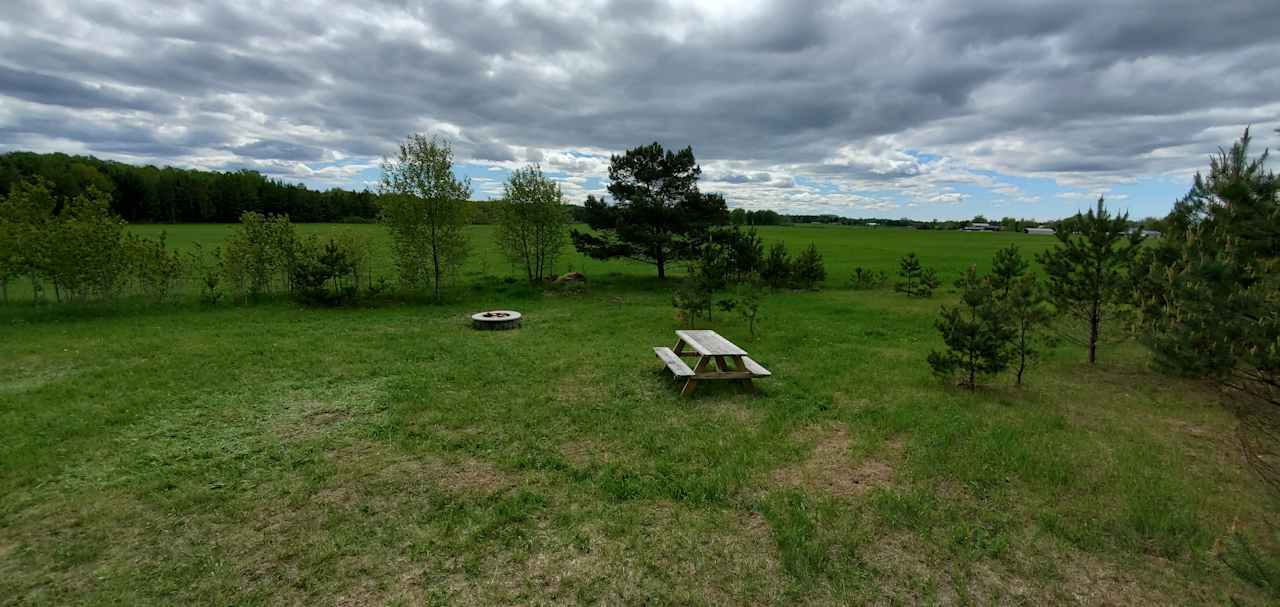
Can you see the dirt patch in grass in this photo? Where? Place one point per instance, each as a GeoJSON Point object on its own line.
{"type": "Point", "coordinates": [454, 474]}
{"type": "Point", "coordinates": [736, 410]}
{"type": "Point", "coordinates": [830, 469]}
{"type": "Point", "coordinates": [674, 555]}
{"type": "Point", "coordinates": [587, 452]}
{"type": "Point", "coordinates": [1088, 580]}
{"type": "Point", "coordinates": [910, 571]}
{"type": "Point", "coordinates": [581, 386]}
{"type": "Point", "coordinates": [312, 413]}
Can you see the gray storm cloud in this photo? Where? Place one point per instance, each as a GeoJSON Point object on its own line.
{"type": "Point", "coordinates": [1067, 91]}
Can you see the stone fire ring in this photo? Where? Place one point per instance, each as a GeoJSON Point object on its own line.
{"type": "Point", "coordinates": [496, 320]}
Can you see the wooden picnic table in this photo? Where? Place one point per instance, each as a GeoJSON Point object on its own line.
{"type": "Point", "coordinates": [709, 348]}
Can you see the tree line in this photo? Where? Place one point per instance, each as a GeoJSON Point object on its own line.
{"type": "Point", "coordinates": [75, 246]}
{"type": "Point", "coordinates": [149, 194]}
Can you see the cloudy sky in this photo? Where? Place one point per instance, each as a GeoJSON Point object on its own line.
{"type": "Point", "coordinates": [878, 108]}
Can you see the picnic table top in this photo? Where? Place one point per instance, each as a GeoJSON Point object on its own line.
{"type": "Point", "coordinates": [710, 343]}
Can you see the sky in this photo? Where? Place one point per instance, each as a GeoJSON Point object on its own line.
{"type": "Point", "coordinates": [919, 108]}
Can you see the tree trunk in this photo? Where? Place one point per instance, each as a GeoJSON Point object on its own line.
{"type": "Point", "coordinates": [662, 267]}
{"type": "Point", "coordinates": [1094, 320]}
{"type": "Point", "coordinates": [1022, 353]}
{"type": "Point", "coordinates": [435, 263]}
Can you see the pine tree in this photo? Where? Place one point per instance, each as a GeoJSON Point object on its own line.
{"type": "Point", "coordinates": [1210, 290]}
{"type": "Point", "coordinates": [1027, 310]}
{"type": "Point", "coordinates": [917, 280]}
{"type": "Point", "coordinates": [1008, 266]}
{"type": "Point", "coordinates": [808, 269]}
{"type": "Point", "coordinates": [658, 214]}
{"type": "Point", "coordinates": [1089, 268]}
{"type": "Point", "coordinates": [975, 333]}
{"type": "Point", "coordinates": [776, 271]}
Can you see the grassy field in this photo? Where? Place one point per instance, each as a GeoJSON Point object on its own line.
{"type": "Point", "coordinates": [273, 454]}
{"type": "Point", "coordinates": [843, 247]}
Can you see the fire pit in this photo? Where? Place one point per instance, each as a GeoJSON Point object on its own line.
{"type": "Point", "coordinates": [496, 320]}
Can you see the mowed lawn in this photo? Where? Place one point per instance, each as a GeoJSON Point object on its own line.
{"type": "Point", "coordinates": [273, 454]}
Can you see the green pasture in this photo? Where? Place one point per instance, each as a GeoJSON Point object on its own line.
{"type": "Point", "coordinates": [273, 454]}
{"type": "Point", "coordinates": [843, 247]}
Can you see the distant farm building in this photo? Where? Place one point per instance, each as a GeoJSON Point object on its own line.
{"type": "Point", "coordinates": [1040, 230]}
{"type": "Point", "coordinates": [979, 227]}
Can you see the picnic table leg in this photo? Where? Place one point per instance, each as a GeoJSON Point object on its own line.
{"type": "Point", "coordinates": [746, 384]}
{"type": "Point", "coordinates": [692, 382]}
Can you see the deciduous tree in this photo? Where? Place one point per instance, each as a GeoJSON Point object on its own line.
{"type": "Point", "coordinates": [26, 216]}
{"type": "Point", "coordinates": [533, 224]}
{"type": "Point", "coordinates": [425, 210]}
{"type": "Point", "coordinates": [259, 255]}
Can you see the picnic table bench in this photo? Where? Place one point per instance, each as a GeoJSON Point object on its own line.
{"type": "Point", "coordinates": [709, 347]}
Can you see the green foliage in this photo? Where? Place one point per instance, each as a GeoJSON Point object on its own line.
{"type": "Point", "coordinates": [1089, 269]}
{"type": "Point", "coordinates": [975, 333]}
{"type": "Point", "coordinates": [158, 269]}
{"type": "Point", "coordinates": [917, 280]}
{"type": "Point", "coordinates": [25, 215]}
{"type": "Point", "coordinates": [708, 273]}
{"type": "Point", "coordinates": [808, 270]}
{"type": "Point", "coordinates": [776, 271]}
{"type": "Point", "coordinates": [533, 223]}
{"type": "Point", "coordinates": [658, 215]}
{"type": "Point", "coordinates": [744, 250]}
{"type": "Point", "coordinates": [208, 271]}
{"type": "Point", "coordinates": [728, 261]}
{"type": "Point", "coordinates": [172, 195]}
{"type": "Point", "coordinates": [1007, 268]}
{"type": "Point", "coordinates": [1210, 290]}
{"type": "Point", "coordinates": [327, 272]}
{"type": "Point", "coordinates": [1027, 310]}
{"type": "Point", "coordinates": [424, 208]}
{"type": "Point", "coordinates": [747, 297]}
{"type": "Point", "coordinates": [763, 217]}
{"type": "Point", "coordinates": [865, 279]}
{"type": "Point", "coordinates": [691, 301]}
{"type": "Point", "coordinates": [259, 255]}
{"type": "Point", "coordinates": [85, 254]}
